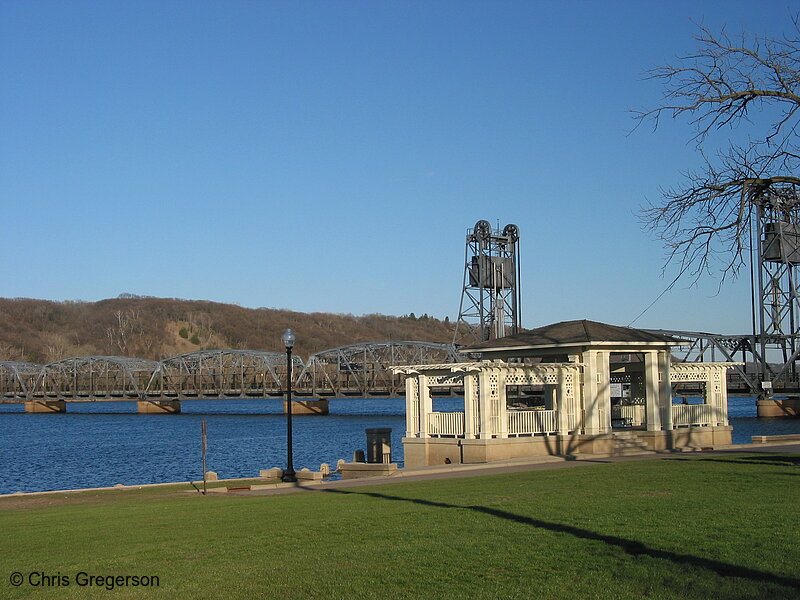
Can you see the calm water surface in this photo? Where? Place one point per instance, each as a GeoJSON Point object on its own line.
{"type": "Point", "coordinates": [99, 444]}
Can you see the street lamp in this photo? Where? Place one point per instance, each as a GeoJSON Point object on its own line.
{"type": "Point", "coordinates": [288, 338]}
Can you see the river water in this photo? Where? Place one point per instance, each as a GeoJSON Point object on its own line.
{"type": "Point", "coordinates": [97, 444]}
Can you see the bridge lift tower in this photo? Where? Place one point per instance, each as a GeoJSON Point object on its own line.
{"type": "Point", "coordinates": [490, 297]}
{"type": "Point", "coordinates": [776, 301]}
{"type": "Point", "coordinates": [774, 344]}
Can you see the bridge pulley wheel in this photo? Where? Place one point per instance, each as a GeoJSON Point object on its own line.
{"type": "Point", "coordinates": [512, 232]}
{"type": "Point", "coordinates": [483, 229]}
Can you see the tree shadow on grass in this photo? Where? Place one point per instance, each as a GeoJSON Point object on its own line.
{"type": "Point", "coordinates": [631, 547]}
{"type": "Point", "coordinates": [779, 460]}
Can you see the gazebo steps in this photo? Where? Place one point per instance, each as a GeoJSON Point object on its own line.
{"type": "Point", "coordinates": [628, 443]}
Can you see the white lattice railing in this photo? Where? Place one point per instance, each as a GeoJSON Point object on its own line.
{"type": "Point", "coordinates": [692, 414]}
{"type": "Point", "coordinates": [532, 421]}
{"type": "Point", "coordinates": [445, 423]}
{"type": "Point", "coordinates": [572, 422]}
{"type": "Point", "coordinates": [633, 412]}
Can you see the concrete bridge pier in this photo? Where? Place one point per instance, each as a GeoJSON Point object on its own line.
{"type": "Point", "coordinates": [779, 407]}
{"type": "Point", "coordinates": [158, 407]}
{"type": "Point", "coordinates": [45, 406]}
{"type": "Point", "coordinates": [307, 407]}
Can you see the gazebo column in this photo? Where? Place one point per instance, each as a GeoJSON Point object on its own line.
{"type": "Point", "coordinates": [652, 391]}
{"type": "Point", "coordinates": [592, 381]}
{"type": "Point", "coordinates": [665, 395]}
{"type": "Point", "coordinates": [484, 399]}
{"type": "Point", "coordinates": [412, 406]}
{"type": "Point", "coordinates": [560, 401]}
{"type": "Point", "coordinates": [604, 390]}
{"type": "Point", "coordinates": [502, 405]}
{"type": "Point", "coordinates": [425, 405]}
{"type": "Point", "coordinates": [722, 396]}
{"type": "Point", "coordinates": [470, 418]}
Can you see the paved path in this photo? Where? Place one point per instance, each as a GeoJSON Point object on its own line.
{"type": "Point", "coordinates": [510, 466]}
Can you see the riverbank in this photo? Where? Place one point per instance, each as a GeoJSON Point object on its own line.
{"type": "Point", "coordinates": [103, 444]}
{"type": "Point", "coordinates": [764, 444]}
{"type": "Point", "coordinates": [679, 526]}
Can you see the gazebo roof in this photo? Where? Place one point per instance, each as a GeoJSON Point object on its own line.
{"type": "Point", "coordinates": [575, 333]}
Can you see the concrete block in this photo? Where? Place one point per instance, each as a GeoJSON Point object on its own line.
{"type": "Point", "coordinates": [273, 473]}
{"type": "Point", "coordinates": [766, 439]}
{"type": "Point", "coordinates": [308, 475]}
{"type": "Point", "coordinates": [212, 476]}
{"type": "Point", "coordinates": [360, 470]}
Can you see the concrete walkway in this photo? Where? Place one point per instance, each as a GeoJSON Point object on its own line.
{"type": "Point", "coordinates": [539, 463]}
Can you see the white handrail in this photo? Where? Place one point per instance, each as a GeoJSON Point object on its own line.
{"type": "Point", "coordinates": [446, 423]}
{"type": "Point", "coordinates": [532, 421]}
{"type": "Point", "coordinates": [633, 412]}
{"type": "Point", "coordinates": [692, 414]}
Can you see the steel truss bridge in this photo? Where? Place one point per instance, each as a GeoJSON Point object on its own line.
{"type": "Point", "coordinates": [749, 349]}
{"type": "Point", "coordinates": [359, 370]}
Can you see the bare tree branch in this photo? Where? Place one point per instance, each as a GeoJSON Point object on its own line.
{"type": "Point", "coordinates": [704, 221]}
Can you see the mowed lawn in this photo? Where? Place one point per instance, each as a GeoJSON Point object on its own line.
{"type": "Point", "coordinates": [722, 526]}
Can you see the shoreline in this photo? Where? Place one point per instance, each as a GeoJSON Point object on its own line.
{"type": "Point", "coordinates": [452, 470]}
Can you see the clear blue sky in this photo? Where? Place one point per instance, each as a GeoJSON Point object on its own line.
{"type": "Point", "coordinates": [330, 156]}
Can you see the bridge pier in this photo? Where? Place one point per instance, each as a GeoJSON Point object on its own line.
{"type": "Point", "coordinates": [307, 407]}
{"type": "Point", "coordinates": [45, 406]}
{"type": "Point", "coordinates": [158, 407]}
{"type": "Point", "coordinates": [779, 407]}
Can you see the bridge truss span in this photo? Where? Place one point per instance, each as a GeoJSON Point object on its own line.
{"type": "Point", "coordinates": [222, 373]}
{"type": "Point", "coordinates": [94, 377]}
{"type": "Point", "coordinates": [365, 369]}
{"type": "Point", "coordinates": [17, 378]}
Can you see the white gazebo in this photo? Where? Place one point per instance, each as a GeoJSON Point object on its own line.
{"type": "Point", "coordinates": [578, 363]}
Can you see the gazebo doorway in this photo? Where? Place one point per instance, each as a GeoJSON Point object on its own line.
{"type": "Point", "coordinates": [628, 395]}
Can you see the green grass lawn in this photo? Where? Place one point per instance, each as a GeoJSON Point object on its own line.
{"type": "Point", "coordinates": [700, 527]}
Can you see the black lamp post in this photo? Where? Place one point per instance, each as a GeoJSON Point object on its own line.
{"type": "Point", "coordinates": [288, 340]}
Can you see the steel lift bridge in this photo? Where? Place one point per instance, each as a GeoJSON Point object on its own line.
{"type": "Point", "coordinates": [490, 297]}
{"type": "Point", "coordinates": [771, 350]}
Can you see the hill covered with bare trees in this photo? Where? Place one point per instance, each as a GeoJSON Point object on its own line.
{"type": "Point", "coordinates": [44, 331]}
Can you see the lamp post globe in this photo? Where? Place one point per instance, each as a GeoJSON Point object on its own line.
{"type": "Point", "coordinates": [288, 339]}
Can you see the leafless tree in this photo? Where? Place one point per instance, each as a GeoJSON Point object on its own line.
{"type": "Point", "coordinates": [128, 326]}
{"type": "Point", "coordinates": [741, 97]}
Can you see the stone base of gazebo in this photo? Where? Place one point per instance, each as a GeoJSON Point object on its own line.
{"type": "Point", "coordinates": [687, 438]}
{"type": "Point", "coordinates": [422, 452]}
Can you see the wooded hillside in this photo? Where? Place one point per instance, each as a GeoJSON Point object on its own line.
{"type": "Point", "coordinates": [43, 331]}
